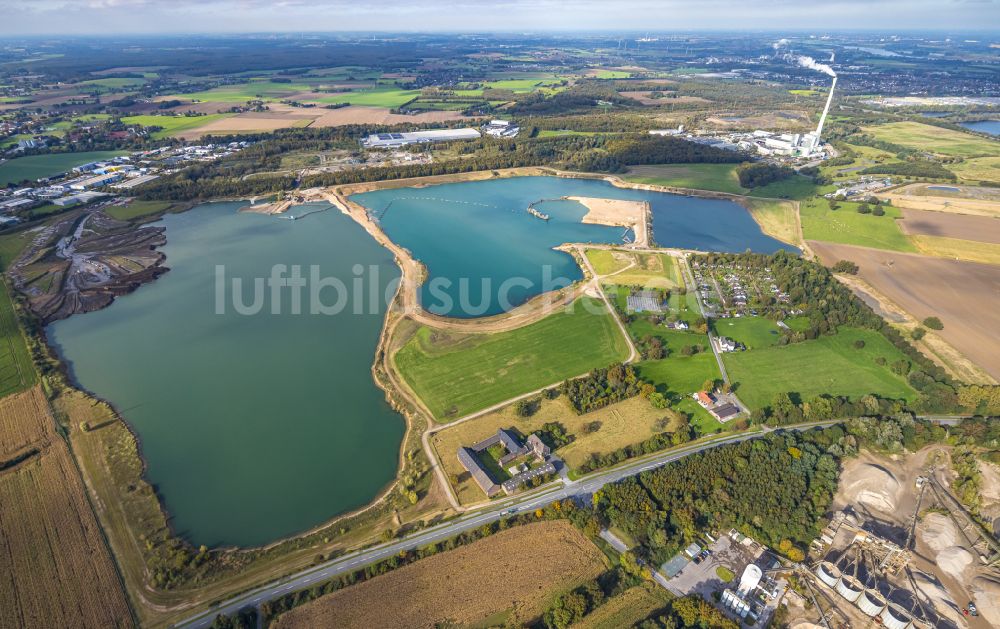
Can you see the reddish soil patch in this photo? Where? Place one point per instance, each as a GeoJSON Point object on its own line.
{"type": "Point", "coordinates": [964, 295]}
{"type": "Point", "coordinates": [966, 227]}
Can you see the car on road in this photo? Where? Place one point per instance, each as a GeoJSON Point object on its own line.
{"type": "Point", "coordinates": [973, 610]}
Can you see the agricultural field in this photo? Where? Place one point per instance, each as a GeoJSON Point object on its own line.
{"type": "Point", "coordinates": [457, 374]}
{"type": "Point", "coordinates": [828, 365]}
{"type": "Point", "coordinates": [113, 83]}
{"type": "Point", "coordinates": [754, 332]}
{"type": "Point", "coordinates": [58, 571]}
{"type": "Point", "coordinates": [628, 608]}
{"type": "Point", "coordinates": [716, 177]}
{"type": "Point", "coordinates": [846, 226]}
{"type": "Point", "coordinates": [244, 92]}
{"type": "Point", "coordinates": [924, 137]}
{"type": "Point", "coordinates": [946, 225]}
{"type": "Point", "coordinates": [620, 424]}
{"type": "Point", "coordinates": [388, 97]}
{"type": "Point", "coordinates": [173, 125]}
{"type": "Point", "coordinates": [949, 199]}
{"type": "Point", "coordinates": [437, 591]}
{"type": "Point", "coordinates": [962, 294]}
{"type": "Point", "coordinates": [958, 249]}
{"type": "Point", "coordinates": [16, 369]}
{"type": "Point", "coordinates": [40, 166]}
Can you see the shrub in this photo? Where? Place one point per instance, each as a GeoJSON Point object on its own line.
{"type": "Point", "coordinates": [933, 323]}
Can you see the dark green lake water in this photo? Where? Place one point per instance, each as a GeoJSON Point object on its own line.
{"type": "Point", "coordinates": [253, 427]}
{"type": "Point", "coordinates": [474, 235]}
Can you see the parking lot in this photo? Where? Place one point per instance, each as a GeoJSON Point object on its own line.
{"type": "Point", "coordinates": [703, 578]}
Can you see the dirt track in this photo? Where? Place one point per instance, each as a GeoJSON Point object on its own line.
{"type": "Point", "coordinates": [964, 295]}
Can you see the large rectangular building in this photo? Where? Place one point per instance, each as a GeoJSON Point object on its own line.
{"type": "Point", "coordinates": [389, 140]}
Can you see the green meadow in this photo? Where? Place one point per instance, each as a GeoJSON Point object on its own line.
{"type": "Point", "coordinates": [457, 374]}
{"type": "Point", "coordinates": [172, 124]}
{"type": "Point", "coordinates": [827, 365]}
{"type": "Point", "coordinates": [845, 225]}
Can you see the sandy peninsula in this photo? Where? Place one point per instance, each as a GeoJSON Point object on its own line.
{"type": "Point", "coordinates": [631, 214]}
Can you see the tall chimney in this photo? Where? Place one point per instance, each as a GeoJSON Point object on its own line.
{"type": "Point", "coordinates": [826, 110]}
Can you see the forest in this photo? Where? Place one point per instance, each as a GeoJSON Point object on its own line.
{"type": "Point", "coordinates": [773, 489]}
{"type": "Point", "coordinates": [602, 387]}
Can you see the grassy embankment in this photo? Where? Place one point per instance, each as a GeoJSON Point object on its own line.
{"type": "Point", "coordinates": [827, 365]}
{"type": "Point", "coordinates": [456, 374]}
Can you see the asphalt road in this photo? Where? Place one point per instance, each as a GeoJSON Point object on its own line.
{"type": "Point", "coordinates": [473, 519]}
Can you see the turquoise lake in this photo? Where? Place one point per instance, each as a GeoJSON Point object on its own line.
{"type": "Point", "coordinates": [253, 427]}
{"type": "Point", "coordinates": [473, 235]}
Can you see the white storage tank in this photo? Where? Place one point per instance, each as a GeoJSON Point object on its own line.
{"type": "Point", "coordinates": [828, 573]}
{"type": "Point", "coordinates": [850, 588]}
{"type": "Point", "coordinates": [895, 617]}
{"type": "Point", "coordinates": [871, 602]}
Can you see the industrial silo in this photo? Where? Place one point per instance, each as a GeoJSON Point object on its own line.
{"type": "Point", "coordinates": [828, 573]}
{"type": "Point", "coordinates": [895, 617]}
{"type": "Point", "coordinates": [871, 602]}
{"type": "Point", "coordinates": [850, 588]}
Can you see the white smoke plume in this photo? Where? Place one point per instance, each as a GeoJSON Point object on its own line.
{"type": "Point", "coordinates": [809, 62]}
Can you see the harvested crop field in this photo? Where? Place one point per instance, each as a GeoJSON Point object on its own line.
{"type": "Point", "coordinates": [58, 571]}
{"type": "Point", "coordinates": [247, 123]}
{"type": "Point", "coordinates": [965, 227]}
{"type": "Point", "coordinates": [964, 295]}
{"type": "Point", "coordinates": [379, 115]}
{"type": "Point", "coordinates": [977, 201]}
{"type": "Point", "coordinates": [520, 569]}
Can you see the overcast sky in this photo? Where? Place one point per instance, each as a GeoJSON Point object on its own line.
{"type": "Point", "coordinates": [189, 16]}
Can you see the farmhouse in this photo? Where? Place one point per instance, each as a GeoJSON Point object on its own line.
{"type": "Point", "coordinates": [471, 459]}
{"type": "Point", "coordinates": [721, 409]}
